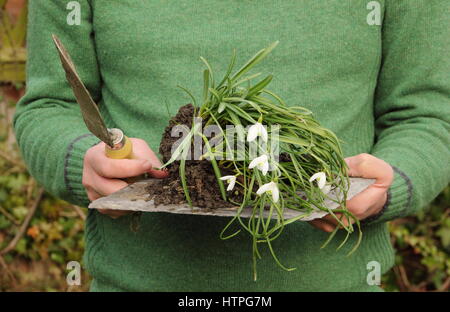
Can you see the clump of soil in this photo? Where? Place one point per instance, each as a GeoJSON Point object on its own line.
{"type": "Point", "coordinates": [200, 178]}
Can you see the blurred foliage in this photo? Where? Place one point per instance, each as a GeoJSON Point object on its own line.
{"type": "Point", "coordinates": [423, 248]}
{"type": "Point", "coordinates": [54, 234]}
{"type": "Point", "coordinates": [13, 23]}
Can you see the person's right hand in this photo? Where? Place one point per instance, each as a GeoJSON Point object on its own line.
{"type": "Point", "coordinates": [102, 175]}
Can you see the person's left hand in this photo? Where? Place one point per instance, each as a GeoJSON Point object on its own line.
{"type": "Point", "coordinates": [370, 201]}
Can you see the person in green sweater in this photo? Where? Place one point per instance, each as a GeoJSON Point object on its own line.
{"type": "Point", "coordinates": [374, 72]}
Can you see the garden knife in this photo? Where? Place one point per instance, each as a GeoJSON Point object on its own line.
{"type": "Point", "coordinates": [118, 146]}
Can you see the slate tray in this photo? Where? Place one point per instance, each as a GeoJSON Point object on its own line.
{"type": "Point", "coordinates": [135, 197]}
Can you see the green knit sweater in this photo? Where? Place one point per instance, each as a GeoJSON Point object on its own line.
{"type": "Point", "coordinates": [383, 88]}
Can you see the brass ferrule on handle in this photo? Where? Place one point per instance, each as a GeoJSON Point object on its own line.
{"type": "Point", "coordinates": [122, 147]}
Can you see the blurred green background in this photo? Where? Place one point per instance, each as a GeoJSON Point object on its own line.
{"type": "Point", "coordinates": [40, 234]}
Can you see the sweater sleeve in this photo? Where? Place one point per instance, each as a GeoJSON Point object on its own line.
{"type": "Point", "coordinates": [48, 124]}
{"type": "Point", "coordinates": [412, 103]}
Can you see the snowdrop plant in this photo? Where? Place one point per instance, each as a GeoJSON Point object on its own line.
{"type": "Point", "coordinates": [310, 166]}
{"type": "Point", "coordinates": [321, 181]}
{"type": "Point", "coordinates": [231, 180]}
{"type": "Point", "coordinates": [270, 188]}
{"type": "Point", "coordinates": [257, 130]}
{"type": "Point", "coordinates": [261, 162]}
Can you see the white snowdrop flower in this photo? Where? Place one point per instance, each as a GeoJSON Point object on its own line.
{"type": "Point", "coordinates": [231, 180]}
{"type": "Point", "coordinates": [321, 181]}
{"type": "Point", "coordinates": [261, 162]}
{"type": "Point", "coordinates": [257, 130]}
{"type": "Point", "coordinates": [270, 188]}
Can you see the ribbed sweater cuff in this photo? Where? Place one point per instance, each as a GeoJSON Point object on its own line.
{"type": "Point", "coordinates": [73, 168]}
{"type": "Point", "coordinates": [398, 202]}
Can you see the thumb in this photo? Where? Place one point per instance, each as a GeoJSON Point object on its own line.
{"type": "Point", "coordinates": [142, 151]}
{"type": "Point", "coordinates": [370, 167]}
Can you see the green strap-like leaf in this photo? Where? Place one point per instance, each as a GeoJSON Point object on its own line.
{"type": "Point", "coordinates": [258, 57]}
{"type": "Point", "coordinates": [259, 86]}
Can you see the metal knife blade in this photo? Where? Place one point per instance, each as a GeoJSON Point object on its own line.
{"type": "Point", "coordinates": [89, 109]}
